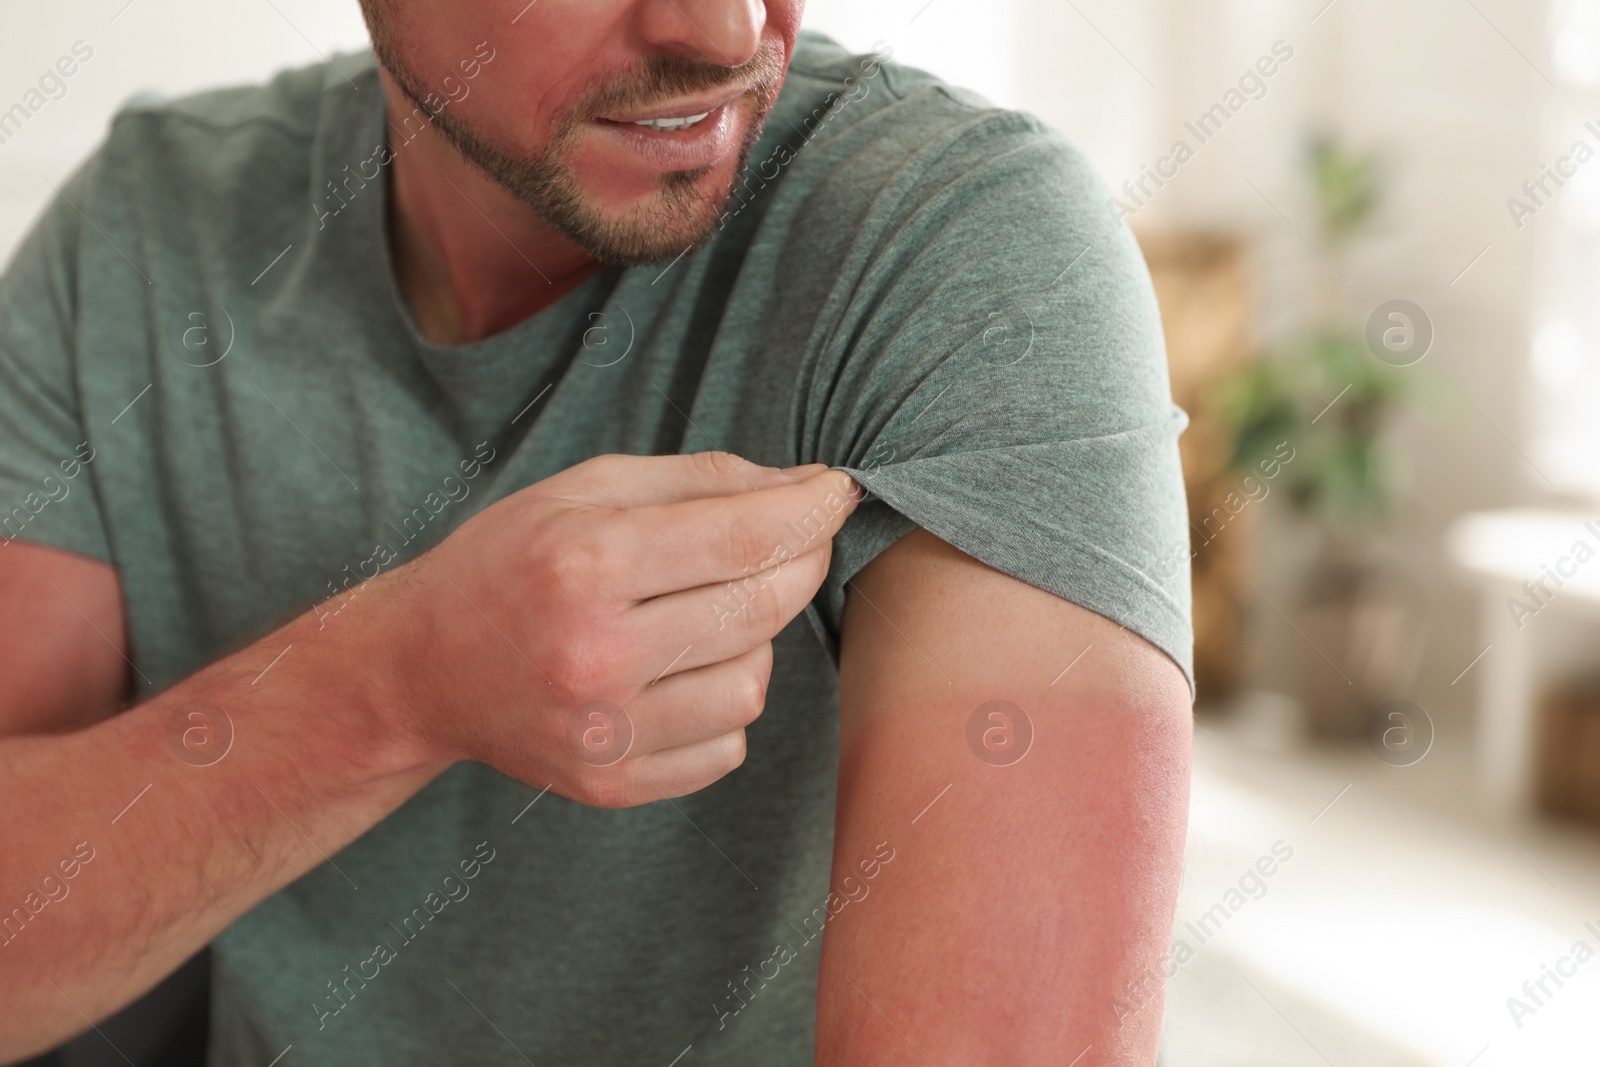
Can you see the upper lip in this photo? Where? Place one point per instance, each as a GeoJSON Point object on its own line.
{"type": "Point", "coordinates": [682, 107]}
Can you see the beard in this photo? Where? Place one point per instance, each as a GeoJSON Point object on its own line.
{"type": "Point", "coordinates": [683, 213]}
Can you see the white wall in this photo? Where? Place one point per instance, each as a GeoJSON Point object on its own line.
{"type": "Point", "coordinates": [168, 45]}
{"type": "Point", "coordinates": [967, 42]}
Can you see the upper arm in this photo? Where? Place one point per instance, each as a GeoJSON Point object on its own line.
{"type": "Point", "coordinates": [62, 636]}
{"type": "Point", "coordinates": [992, 372]}
{"type": "Point", "coordinates": [63, 641]}
{"type": "Point", "coordinates": [1022, 896]}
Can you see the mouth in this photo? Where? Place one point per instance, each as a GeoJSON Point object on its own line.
{"type": "Point", "coordinates": [681, 135]}
{"type": "Point", "coordinates": [667, 125]}
{"type": "Point", "coordinates": [680, 114]}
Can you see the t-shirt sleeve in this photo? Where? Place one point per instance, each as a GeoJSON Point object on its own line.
{"type": "Point", "coordinates": [46, 488]}
{"type": "Point", "coordinates": [997, 376]}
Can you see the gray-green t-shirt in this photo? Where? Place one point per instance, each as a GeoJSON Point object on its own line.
{"type": "Point", "coordinates": [208, 377]}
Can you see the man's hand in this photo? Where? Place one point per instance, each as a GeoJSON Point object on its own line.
{"type": "Point", "coordinates": [607, 632]}
{"type": "Point", "coordinates": [590, 585]}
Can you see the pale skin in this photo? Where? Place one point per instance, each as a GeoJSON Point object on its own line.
{"type": "Point", "coordinates": [1017, 906]}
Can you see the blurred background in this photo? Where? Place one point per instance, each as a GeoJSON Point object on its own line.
{"type": "Point", "coordinates": [1372, 230]}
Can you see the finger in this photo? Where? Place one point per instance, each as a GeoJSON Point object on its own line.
{"type": "Point", "coordinates": [671, 547]}
{"type": "Point", "coordinates": [699, 704]}
{"type": "Point", "coordinates": [709, 624]}
{"type": "Point", "coordinates": [622, 481]}
{"type": "Point", "coordinates": [677, 772]}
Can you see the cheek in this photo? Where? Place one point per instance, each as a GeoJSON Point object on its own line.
{"type": "Point", "coordinates": [535, 80]}
{"type": "Point", "coordinates": [783, 19]}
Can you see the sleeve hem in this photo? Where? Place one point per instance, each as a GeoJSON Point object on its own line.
{"type": "Point", "coordinates": [88, 547]}
{"type": "Point", "coordinates": [1118, 591]}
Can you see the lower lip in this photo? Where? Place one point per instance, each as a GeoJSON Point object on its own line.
{"type": "Point", "coordinates": [702, 145]}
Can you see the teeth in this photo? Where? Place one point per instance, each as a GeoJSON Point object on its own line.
{"type": "Point", "coordinates": [672, 124]}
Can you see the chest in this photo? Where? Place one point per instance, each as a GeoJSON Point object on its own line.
{"type": "Point", "coordinates": [272, 460]}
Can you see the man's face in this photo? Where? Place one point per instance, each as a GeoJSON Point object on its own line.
{"type": "Point", "coordinates": [554, 113]}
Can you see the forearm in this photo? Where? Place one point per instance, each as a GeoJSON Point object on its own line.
{"type": "Point", "coordinates": [177, 848]}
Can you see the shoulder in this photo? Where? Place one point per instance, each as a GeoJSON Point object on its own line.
{"type": "Point", "coordinates": [289, 104]}
{"type": "Point", "coordinates": [878, 180]}
{"type": "Point", "coordinates": [863, 151]}
{"type": "Point", "coordinates": [254, 144]}
{"type": "Point", "coordinates": [842, 105]}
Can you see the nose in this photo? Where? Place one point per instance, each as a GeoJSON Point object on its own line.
{"type": "Point", "coordinates": [727, 32]}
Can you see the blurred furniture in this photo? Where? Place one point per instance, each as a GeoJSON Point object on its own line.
{"type": "Point", "coordinates": [1204, 288]}
{"type": "Point", "coordinates": [1506, 553]}
{"type": "Point", "coordinates": [1569, 751]}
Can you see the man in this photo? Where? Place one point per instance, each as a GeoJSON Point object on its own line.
{"type": "Point", "coordinates": [434, 453]}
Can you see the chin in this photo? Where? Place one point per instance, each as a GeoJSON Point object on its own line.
{"type": "Point", "coordinates": [679, 211]}
{"type": "Point", "coordinates": [608, 195]}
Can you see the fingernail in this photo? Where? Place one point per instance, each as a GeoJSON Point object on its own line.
{"type": "Point", "coordinates": [805, 470]}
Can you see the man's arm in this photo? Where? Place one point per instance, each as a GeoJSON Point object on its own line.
{"type": "Point", "coordinates": [1024, 913]}
{"type": "Point", "coordinates": [63, 645]}
{"type": "Point", "coordinates": [119, 858]}
{"type": "Point", "coordinates": [127, 845]}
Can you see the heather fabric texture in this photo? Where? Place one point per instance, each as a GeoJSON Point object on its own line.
{"type": "Point", "coordinates": [910, 284]}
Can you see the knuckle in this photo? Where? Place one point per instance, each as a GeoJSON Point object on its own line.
{"type": "Point", "coordinates": [767, 610]}
{"type": "Point", "coordinates": [719, 465]}
{"type": "Point", "coordinates": [746, 541]}
{"type": "Point", "coordinates": [596, 472]}
{"type": "Point", "coordinates": [603, 787]}
{"type": "Point", "coordinates": [750, 696]}
{"type": "Point", "coordinates": [579, 668]}
{"type": "Point", "coordinates": [562, 570]}
{"type": "Point", "coordinates": [734, 751]}
{"type": "Point", "coordinates": [763, 610]}
{"type": "Point", "coordinates": [576, 567]}
{"type": "Point", "coordinates": [605, 466]}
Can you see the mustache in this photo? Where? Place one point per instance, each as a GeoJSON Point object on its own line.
{"type": "Point", "coordinates": [664, 77]}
